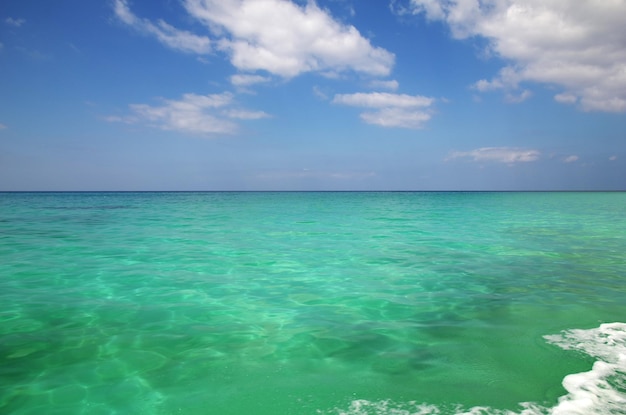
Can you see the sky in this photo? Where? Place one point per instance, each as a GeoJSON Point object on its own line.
{"type": "Point", "coordinates": [312, 95]}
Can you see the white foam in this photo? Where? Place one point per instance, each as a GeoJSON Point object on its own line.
{"type": "Point", "coordinates": [600, 391]}
{"type": "Point", "coordinates": [607, 342]}
{"type": "Point", "coordinates": [386, 407]}
{"type": "Point", "coordinates": [594, 392]}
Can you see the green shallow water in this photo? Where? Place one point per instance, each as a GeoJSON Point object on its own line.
{"type": "Point", "coordinates": [299, 303]}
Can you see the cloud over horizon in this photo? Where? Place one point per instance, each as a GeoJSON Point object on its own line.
{"type": "Point", "coordinates": [581, 49]}
{"type": "Point", "coordinates": [508, 155]}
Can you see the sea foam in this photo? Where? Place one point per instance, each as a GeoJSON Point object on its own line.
{"type": "Point", "coordinates": [600, 391]}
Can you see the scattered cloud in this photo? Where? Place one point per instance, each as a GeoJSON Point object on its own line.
{"type": "Point", "coordinates": [579, 48]}
{"type": "Point", "coordinates": [566, 98]}
{"type": "Point", "coordinates": [517, 97]}
{"type": "Point", "coordinates": [382, 100]}
{"type": "Point", "coordinates": [14, 22]}
{"type": "Point", "coordinates": [247, 80]}
{"type": "Point", "coordinates": [245, 114]}
{"type": "Point", "coordinates": [508, 155]}
{"type": "Point", "coordinates": [391, 110]}
{"type": "Point", "coordinates": [2, 126]}
{"type": "Point", "coordinates": [397, 117]}
{"type": "Point", "coordinates": [195, 114]}
{"type": "Point", "coordinates": [613, 158]}
{"type": "Point", "coordinates": [168, 35]}
{"type": "Point", "coordinates": [391, 85]}
{"type": "Point", "coordinates": [570, 159]}
{"type": "Point", "coordinates": [283, 38]}
{"type": "Point", "coordinates": [276, 36]}
{"type": "Point", "coordinates": [320, 92]}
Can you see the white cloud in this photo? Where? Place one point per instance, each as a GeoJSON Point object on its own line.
{"type": "Point", "coordinates": [286, 39]}
{"type": "Point", "coordinates": [434, 9]}
{"type": "Point", "coordinates": [245, 114]}
{"type": "Point", "coordinates": [397, 117]}
{"type": "Point", "coordinates": [2, 126]}
{"type": "Point", "coordinates": [277, 36]}
{"type": "Point", "coordinates": [196, 114]}
{"type": "Point", "coordinates": [507, 155]}
{"type": "Point", "coordinates": [570, 159]}
{"type": "Point", "coordinates": [391, 85]}
{"type": "Point", "coordinates": [320, 93]}
{"type": "Point", "coordinates": [14, 22]}
{"type": "Point", "coordinates": [566, 98]}
{"type": "Point", "coordinates": [247, 80]}
{"type": "Point", "coordinates": [518, 97]}
{"type": "Point", "coordinates": [613, 158]}
{"type": "Point", "coordinates": [165, 33]}
{"type": "Point", "coordinates": [392, 110]}
{"type": "Point", "coordinates": [382, 100]}
{"type": "Point", "coordinates": [577, 45]}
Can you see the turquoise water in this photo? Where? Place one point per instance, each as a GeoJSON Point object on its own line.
{"type": "Point", "coordinates": [312, 303]}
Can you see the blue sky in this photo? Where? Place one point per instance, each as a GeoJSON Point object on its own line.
{"type": "Point", "coordinates": [304, 95]}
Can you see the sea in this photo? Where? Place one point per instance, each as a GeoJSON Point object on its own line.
{"type": "Point", "coordinates": [313, 303]}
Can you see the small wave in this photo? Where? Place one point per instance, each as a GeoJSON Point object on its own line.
{"type": "Point", "coordinates": [600, 391]}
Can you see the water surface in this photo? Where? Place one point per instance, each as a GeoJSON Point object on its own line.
{"type": "Point", "coordinates": [310, 303]}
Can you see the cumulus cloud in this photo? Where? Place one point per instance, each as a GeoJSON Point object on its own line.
{"type": "Point", "coordinates": [577, 45]}
{"type": "Point", "coordinates": [277, 36]}
{"type": "Point", "coordinates": [286, 39]}
{"type": "Point", "coordinates": [166, 34]}
{"type": "Point", "coordinates": [196, 114]}
{"type": "Point", "coordinates": [390, 110]}
{"type": "Point", "coordinates": [508, 155]}
{"type": "Point", "coordinates": [570, 159]}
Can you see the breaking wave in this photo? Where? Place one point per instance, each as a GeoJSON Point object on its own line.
{"type": "Point", "coordinates": [600, 391]}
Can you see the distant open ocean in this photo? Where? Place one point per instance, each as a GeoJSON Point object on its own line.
{"type": "Point", "coordinates": [339, 303]}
